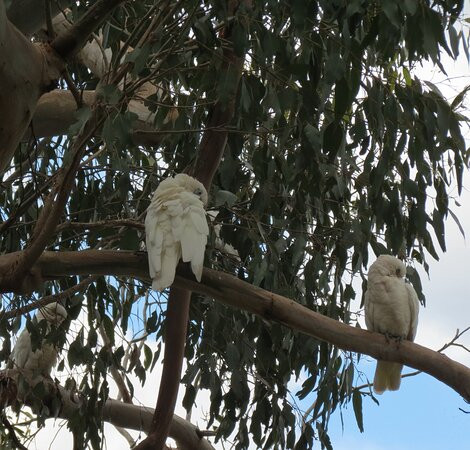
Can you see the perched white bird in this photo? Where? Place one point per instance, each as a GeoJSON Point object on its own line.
{"type": "Point", "coordinates": [391, 308]}
{"type": "Point", "coordinates": [43, 359]}
{"type": "Point", "coordinates": [176, 227]}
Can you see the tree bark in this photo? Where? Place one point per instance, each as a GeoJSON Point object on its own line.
{"type": "Point", "coordinates": [56, 112]}
{"type": "Point", "coordinates": [35, 19]}
{"type": "Point", "coordinates": [28, 70]}
{"type": "Point", "coordinates": [273, 307]}
{"type": "Point", "coordinates": [24, 76]}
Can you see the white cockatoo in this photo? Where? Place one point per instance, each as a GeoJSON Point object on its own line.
{"type": "Point", "coordinates": [391, 308]}
{"type": "Point", "coordinates": [176, 227]}
{"type": "Point", "coordinates": [43, 359]}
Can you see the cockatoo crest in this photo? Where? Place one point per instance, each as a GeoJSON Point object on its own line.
{"type": "Point", "coordinates": [42, 360]}
{"type": "Point", "coordinates": [391, 308]}
{"type": "Point", "coordinates": [176, 227]}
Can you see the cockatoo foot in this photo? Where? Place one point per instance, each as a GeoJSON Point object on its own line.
{"type": "Point", "coordinates": [393, 338]}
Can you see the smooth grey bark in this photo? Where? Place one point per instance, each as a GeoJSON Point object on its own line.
{"type": "Point", "coordinates": [35, 18]}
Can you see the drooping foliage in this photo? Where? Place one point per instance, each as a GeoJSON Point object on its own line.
{"type": "Point", "coordinates": [336, 149]}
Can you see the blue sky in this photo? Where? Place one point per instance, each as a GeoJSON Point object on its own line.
{"type": "Point", "coordinates": [424, 413]}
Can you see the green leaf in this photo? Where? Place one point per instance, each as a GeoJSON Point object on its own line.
{"type": "Point", "coordinates": [413, 277]}
{"type": "Point", "coordinates": [454, 40]}
{"type": "Point", "coordinates": [438, 225]}
{"type": "Point", "coordinates": [342, 98]}
{"type": "Point", "coordinates": [147, 357]}
{"type": "Point", "coordinates": [390, 8]}
{"type": "Point", "coordinates": [357, 405]}
{"type": "Point", "coordinates": [108, 328]}
{"type": "Point", "coordinates": [333, 139]}
{"type": "Point", "coordinates": [83, 115]}
{"type": "Point", "coordinates": [138, 57]}
{"type": "Point", "coordinates": [456, 220]}
{"type": "Point", "coordinates": [233, 356]}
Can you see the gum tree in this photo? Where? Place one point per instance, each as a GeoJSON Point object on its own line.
{"type": "Point", "coordinates": [319, 147]}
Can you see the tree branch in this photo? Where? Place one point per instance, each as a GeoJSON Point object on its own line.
{"type": "Point", "coordinates": [117, 413]}
{"type": "Point", "coordinates": [36, 17]}
{"type": "Point", "coordinates": [69, 42]}
{"type": "Point", "coordinates": [273, 307]}
{"type": "Point", "coordinates": [214, 139]}
{"type": "Point", "coordinates": [56, 112]}
{"type": "Point", "coordinates": [24, 76]}
{"type": "Point", "coordinates": [54, 298]}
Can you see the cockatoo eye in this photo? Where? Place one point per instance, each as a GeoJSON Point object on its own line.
{"type": "Point", "coordinates": [398, 272]}
{"type": "Point", "coordinates": [198, 192]}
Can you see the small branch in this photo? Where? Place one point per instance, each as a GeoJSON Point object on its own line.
{"type": "Point", "coordinates": [215, 136]}
{"type": "Point", "coordinates": [122, 388]}
{"type": "Point", "coordinates": [458, 335]}
{"type": "Point", "coordinates": [73, 89]}
{"type": "Point", "coordinates": [54, 298]}
{"type": "Point", "coordinates": [117, 223]}
{"type": "Point", "coordinates": [11, 432]}
{"type": "Point", "coordinates": [176, 324]}
{"type": "Point", "coordinates": [47, 11]}
{"type": "Point", "coordinates": [403, 375]}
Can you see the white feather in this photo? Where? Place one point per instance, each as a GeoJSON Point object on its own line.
{"type": "Point", "coordinates": [43, 359]}
{"type": "Point", "coordinates": [176, 228]}
{"type": "Point", "coordinates": [391, 308]}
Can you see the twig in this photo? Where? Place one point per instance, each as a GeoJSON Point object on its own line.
{"type": "Point", "coordinates": [458, 335]}
{"type": "Point", "coordinates": [73, 89]}
{"type": "Point", "coordinates": [48, 299]}
{"type": "Point", "coordinates": [12, 433]}
{"type": "Point", "coordinates": [116, 223]}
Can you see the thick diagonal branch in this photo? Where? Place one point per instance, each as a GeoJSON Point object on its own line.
{"type": "Point", "coordinates": [273, 307]}
{"type": "Point", "coordinates": [117, 413]}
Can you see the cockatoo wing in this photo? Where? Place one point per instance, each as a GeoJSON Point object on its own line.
{"type": "Point", "coordinates": [175, 227]}
{"type": "Point", "coordinates": [194, 238]}
{"type": "Point", "coordinates": [414, 311]}
{"type": "Point", "coordinates": [21, 352]}
{"type": "Point", "coordinates": [162, 246]}
{"type": "Point", "coordinates": [43, 359]}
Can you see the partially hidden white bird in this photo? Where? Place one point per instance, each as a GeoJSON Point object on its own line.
{"type": "Point", "coordinates": [391, 308]}
{"type": "Point", "coordinates": [41, 360]}
{"type": "Point", "coordinates": [176, 227]}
